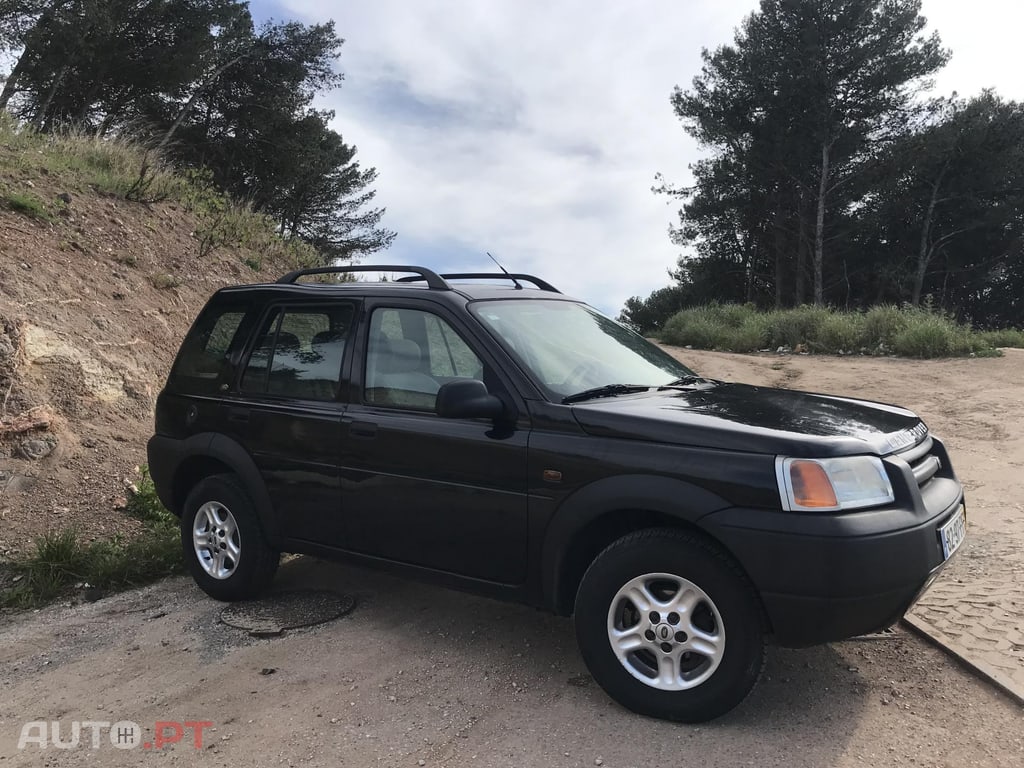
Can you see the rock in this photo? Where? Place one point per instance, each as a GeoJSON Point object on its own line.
{"type": "Point", "coordinates": [6, 346]}
{"type": "Point", "coordinates": [30, 184]}
{"type": "Point", "coordinates": [35, 449]}
{"type": "Point", "coordinates": [92, 594]}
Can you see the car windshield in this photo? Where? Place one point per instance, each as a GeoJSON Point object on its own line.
{"type": "Point", "coordinates": [570, 348]}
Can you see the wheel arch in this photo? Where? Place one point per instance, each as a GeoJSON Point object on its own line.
{"type": "Point", "coordinates": [222, 455]}
{"type": "Point", "coordinates": [595, 516]}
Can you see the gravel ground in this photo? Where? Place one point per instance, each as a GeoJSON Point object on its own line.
{"type": "Point", "coordinates": [418, 673]}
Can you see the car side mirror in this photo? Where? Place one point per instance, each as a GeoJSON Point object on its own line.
{"type": "Point", "coordinates": [468, 399]}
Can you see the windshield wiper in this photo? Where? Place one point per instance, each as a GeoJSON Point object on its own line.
{"type": "Point", "coordinates": [608, 390]}
{"type": "Point", "coordinates": [684, 381]}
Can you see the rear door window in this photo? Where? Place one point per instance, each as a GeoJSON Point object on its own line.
{"type": "Point", "coordinates": [298, 353]}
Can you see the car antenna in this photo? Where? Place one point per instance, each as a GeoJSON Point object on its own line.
{"type": "Point", "coordinates": [516, 282]}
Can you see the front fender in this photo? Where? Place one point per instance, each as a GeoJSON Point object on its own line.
{"type": "Point", "coordinates": [663, 496]}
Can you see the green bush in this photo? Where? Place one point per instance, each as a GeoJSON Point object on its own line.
{"type": "Point", "coordinates": [690, 328]}
{"type": "Point", "coordinates": [839, 332]}
{"type": "Point", "coordinates": [1007, 337]}
{"type": "Point", "coordinates": [796, 326]}
{"type": "Point", "coordinates": [738, 328]}
{"type": "Point", "coordinates": [910, 332]}
{"type": "Point", "coordinates": [882, 324]}
{"type": "Point", "coordinates": [930, 334]}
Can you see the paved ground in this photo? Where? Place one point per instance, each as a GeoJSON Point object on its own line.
{"type": "Point", "coordinates": [976, 608]}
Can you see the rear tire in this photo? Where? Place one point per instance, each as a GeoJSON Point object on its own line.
{"type": "Point", "coordinates": [669, 626]}
{"type": "Point", "coordinates": [223, 543]}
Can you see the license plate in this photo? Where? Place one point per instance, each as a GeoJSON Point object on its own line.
{"type": "Point", "coordinates": [953, 533]}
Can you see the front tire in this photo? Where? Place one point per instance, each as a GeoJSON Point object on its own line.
{"type": "Point", "coordinates": [669, 626]}
{"type": "Point", "coordinates": [223, 542]}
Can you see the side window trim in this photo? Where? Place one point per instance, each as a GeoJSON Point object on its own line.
{"type": "Point", "coordinates": [272, 310]}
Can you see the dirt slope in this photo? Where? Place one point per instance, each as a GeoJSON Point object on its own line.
{"type": "Point", "coordinates": [93, 305]}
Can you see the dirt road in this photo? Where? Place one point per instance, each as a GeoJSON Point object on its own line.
{"type": "Point", "coordinates": [418, 673]}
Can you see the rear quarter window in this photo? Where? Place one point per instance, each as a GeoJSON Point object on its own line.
{"type": "Point", "coordinates": [203, 363]}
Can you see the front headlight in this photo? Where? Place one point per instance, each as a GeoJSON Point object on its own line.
{"type": "Point", "coordinates": [828, 485]}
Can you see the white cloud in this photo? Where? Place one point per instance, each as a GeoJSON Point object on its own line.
{"type": "Point", "coordinates": [534, 129]}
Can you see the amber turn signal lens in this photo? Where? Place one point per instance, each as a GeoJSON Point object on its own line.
{"type": "Point", "coordinates": [811, 486]}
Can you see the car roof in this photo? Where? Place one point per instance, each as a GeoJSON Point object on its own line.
{"type": "Point", "coordinates": [423, 282]}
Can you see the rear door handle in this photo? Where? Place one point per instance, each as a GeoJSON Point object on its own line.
{"type": "Point", "coordinates": [364, 429]}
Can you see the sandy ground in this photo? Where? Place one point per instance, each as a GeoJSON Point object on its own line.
{"type": "Point", "coordinates": [418, 673]}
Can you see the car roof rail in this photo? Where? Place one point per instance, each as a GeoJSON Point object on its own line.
{"type": "Point", "coordinates": [515, 277]}
{"type": "Point", "coordinates": [434, 281]}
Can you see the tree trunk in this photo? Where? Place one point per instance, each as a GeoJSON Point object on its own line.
{"type": "Point", "coordinates": [779, 245]}
{"type": "Point", "coordinates": [41, 118]}
{"type": "Point", "coordinates": [749, 288]}
{"type": "Point", "coordinates": [11, 83]}
{"type": "Point", "coordinates": [924, 253]}
{"type": "Point", "coordinates": [800, 291]}
{"type": "Point", "coordinates": [819, 228]}
{"type": "Point", "coordinates": [183, 112]}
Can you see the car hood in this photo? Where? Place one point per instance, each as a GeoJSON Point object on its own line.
{"type": "Point", "coordinates": [739, 417]}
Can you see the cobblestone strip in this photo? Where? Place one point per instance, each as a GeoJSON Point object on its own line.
{"type": "Point", "coordinates": [976, 610]}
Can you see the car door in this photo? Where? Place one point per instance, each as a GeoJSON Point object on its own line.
{"type": "Point", "coordinates": [287, 411]}
{"type": "Point", "coordinates": [448, 494]}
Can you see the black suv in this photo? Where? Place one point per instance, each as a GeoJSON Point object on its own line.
{"type": "Point", "coordinates": [490, 433]}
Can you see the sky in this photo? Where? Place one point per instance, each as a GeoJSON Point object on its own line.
{"type": "Point", "coordinates": [533, 129]}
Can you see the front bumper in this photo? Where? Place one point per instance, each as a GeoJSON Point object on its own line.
{"type": "Point", "coordinates": [824, 577]}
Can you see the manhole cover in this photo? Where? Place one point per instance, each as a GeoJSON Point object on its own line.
{"type": "Point", "coordinates": [273, 614]}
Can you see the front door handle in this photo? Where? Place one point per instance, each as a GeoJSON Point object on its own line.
{"type": "Point", "coordinates": [364, 429]}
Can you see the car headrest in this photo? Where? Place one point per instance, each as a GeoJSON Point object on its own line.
{"type": "Point", "coordinates": [400, 356]}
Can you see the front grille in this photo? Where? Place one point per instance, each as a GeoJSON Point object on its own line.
{"type": "Point", "coordinates": [922, 461]}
